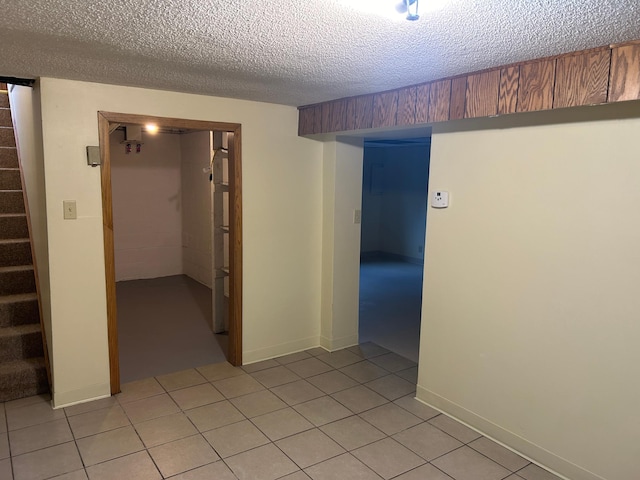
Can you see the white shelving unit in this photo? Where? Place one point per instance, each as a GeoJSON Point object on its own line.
{"type": "Point", "coordinates": [220, 212]}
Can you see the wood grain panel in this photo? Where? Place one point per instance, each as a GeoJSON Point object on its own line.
{"type": "Point", "coordinates": [458, 98]}
{"type": "Point", "coordinates": [350, 116]}
{"type": "Point", "coordinates": [582, 79]}
{"type": "Point", "coordinates": [439, 101]}
{"type": "Point", "coordinates": [385, 109]}
{"type": "Point", "coordinates": [576, 79]}
{"type": "Point", "coordinates": [406, 106]}
{"type": "Point", "coordinates": [234, 353]}
{"type": "Point", "coordinates": [624, 83]}
{"type": "Point", "coordinates": [482, 94]}
{"type": "Point", "coordinates": [325, 117]}
{"type": "Point", "coordinates": [306, 120]}
{"type": "Point", "coordinates": [317, 118]}
{"type": "Point", "coordinates": [359, 112]}
{"type": "Point", "coordinates": [338, 115]}
{"type": "Point", "coordinates": [422, 102]}
{"type": "Point", "coordinates": [535, 89]}
{"type": "Point", "coordinates": [508, 94]}
{"type": "Point", "coordinates": [109, 254]}
{"type": "Point", "coordinates": [364, 112]}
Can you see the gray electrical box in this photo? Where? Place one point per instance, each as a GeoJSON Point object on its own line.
{"type": "Point", "coordinates": [93, 156]}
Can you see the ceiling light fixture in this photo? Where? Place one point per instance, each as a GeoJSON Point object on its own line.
{"type": "Point", "coordinates": [151, 128]}
{"type": "Point", "coordinates": [403, 8]}
{"type": "Point", "coordinates": [410, 7]}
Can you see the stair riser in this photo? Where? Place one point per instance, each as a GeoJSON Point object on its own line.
{"type": "Point", "coordinates": [13, 254]}
{"type": "Point", "coordinates": [21, 346]}
{"type": "Point", "coordinates": [10, 180]}
{"type": "Point", "coordinates": [7, 138]}
{"type": "Point", "coordinates": [13, 227]}
{"type": "Point", "coordinates": [11, 202]}
{"type": "Point", "coordinates": [24, 383]}
{"type": "Point", "coordinates": [5, 118]}
{"type": "Point", "coordinates": [14, 283]}
{"type": "Point", "coordinates": [19, 313]}
{"type": "Point", "coordinates": [4, 100]}
{"type": "Point", "coordinates": [8, 158]}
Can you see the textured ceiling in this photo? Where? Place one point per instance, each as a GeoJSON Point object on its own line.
{"type": "Point", "coordinates": [292, 52]}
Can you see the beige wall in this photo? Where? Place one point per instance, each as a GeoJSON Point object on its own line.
{"type": "Point", "coordinates": [530, 326]}
{"type": "Point", "coordinates": [147, 207]}
{"type": "Point", "coordinates": [25, 108]}
{"type": "Point", "coordinates": [342, 194]}
{"type": "Point", "coordinates": [197, 204]}
{"type": "Point", "coordinates": [281, 225]}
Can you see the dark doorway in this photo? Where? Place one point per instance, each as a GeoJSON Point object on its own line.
{"type": "Point", "coordinates": [394, 206]}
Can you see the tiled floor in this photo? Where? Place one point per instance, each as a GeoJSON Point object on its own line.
{"type": "Point", "coordinates": [345, 415]}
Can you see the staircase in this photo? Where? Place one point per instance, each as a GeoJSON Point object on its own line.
{"type": "Point", "coordinates": [22, 364]}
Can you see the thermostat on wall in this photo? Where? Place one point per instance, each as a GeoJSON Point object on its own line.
{"type": "Point", "coordinates": [440, 199]}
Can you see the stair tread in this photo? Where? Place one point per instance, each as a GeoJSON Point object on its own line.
{"type": "Point", "coordinates": [10, 215]}
{"type": "Point", "coordinates": [16, 268]}
{"type": "Point", "coordinates": [22, 364]}
{"type": "Point", "coordinates": [16, 331]}
{"type": "Point", "coordinates": [20, 297]}
{"type": "Point", "coordinates": [11, 191]}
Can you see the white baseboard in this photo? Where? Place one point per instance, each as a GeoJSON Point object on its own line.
{"type": "Point", "coordinates": [333, 344]}
{"type": "Point", "coordinates": [532, 452]}
{"type": "Point", "coordinates": [258, 355]}
{"type": "Point", "coordinates": [83, 395]}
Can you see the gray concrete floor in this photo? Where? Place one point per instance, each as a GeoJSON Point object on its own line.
{"type": "Point", "coordinates": [390, 305]}
{"type": "Point", "coordinates": [163, 327]}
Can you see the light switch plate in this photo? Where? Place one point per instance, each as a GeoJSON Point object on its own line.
{"type": "Point", "coordinates": [69, 208]}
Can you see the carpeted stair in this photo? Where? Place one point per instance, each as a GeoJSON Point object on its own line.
{"type": "Point", "coordinates": [22, 365]}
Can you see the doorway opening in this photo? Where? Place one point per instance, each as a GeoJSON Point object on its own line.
{"type": "Point", "coordinates": [174, 259]}
{"type": "Point", "coordinates": [394, 206]}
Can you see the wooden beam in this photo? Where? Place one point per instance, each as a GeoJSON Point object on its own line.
{"type": "Point", "coordinates": [406, 106]}
{"type": "Point", "coordinates": [582, 79]}
{"type": "Point", "coordinates": [482, 94]}
{"type": "Point", "coordinates": [625, 73]}
{"type": "Point", "coordinates": [385, 109]}
{"type": "Point", "coordinates": [439, 101]}
{"type": "Point", "coordinates": [592, 76]}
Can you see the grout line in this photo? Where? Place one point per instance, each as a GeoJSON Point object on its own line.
{"type": "Point", "coordinates": [358, 415]}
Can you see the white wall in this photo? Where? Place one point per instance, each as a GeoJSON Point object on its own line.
{"type": "Point", "coordinates": [27, 122]}
{"type": "Point", "coordinates": [197, 204]}
{"type": "Point", "coordinates": [530, 315]}
{"type": "Point", "coordinates": [342, 194]}
{"type": "Point", "coordinates": [281, 181]}
{"type": "Point", "coordinates": [393, 218]}
{"type": "Point", "coordinates": [147, 207]}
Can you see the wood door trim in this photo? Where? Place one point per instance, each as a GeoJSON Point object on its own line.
{"type": "Point", "coordinates": [234, 353]}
